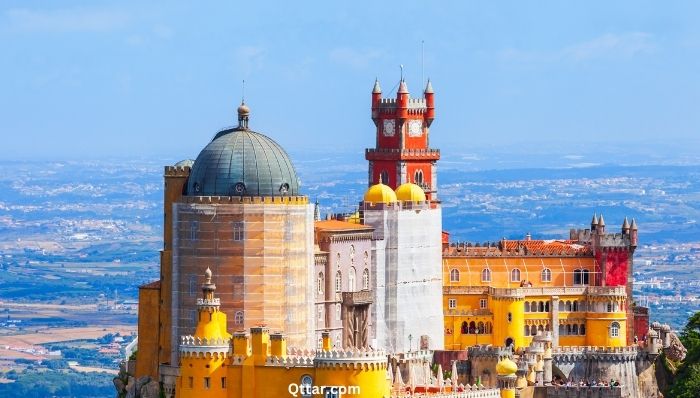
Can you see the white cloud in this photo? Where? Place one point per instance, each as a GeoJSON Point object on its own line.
{"type": "Point", "coordinates": [65, 20]}
{"type": "Point", "coordinates": [357, 59]}
{"type": "Point", "coordinates": [625, 44]}
{"type": "Point", "coordinates": [250, 58]}
{"type": "Point", "coordinates": [606, 46]}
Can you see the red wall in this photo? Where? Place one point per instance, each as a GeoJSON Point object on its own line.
{"type": "Point", "coordinates": [616, 265]}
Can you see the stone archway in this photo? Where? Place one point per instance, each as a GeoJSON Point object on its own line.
{"type": "Point", "coordinates": [557, 374]}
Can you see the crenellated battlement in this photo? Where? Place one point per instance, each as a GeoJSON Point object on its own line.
{"type": "Point", "coordinates": [352, 357]}
{"type": "Point", "coordinates": [215, 302]}
{"type": "Point", "coordinates": [290, 200]}
{"type": "Point", "coordinates": [484, 351]}
{"type": "Point", "coordinates": [199, 347]}
{"type": "Point", "coordinates": [177, 171]}
{"type": "Point", "coordinates": [465, 392]}
{"type": "Point", "coordinates": [609, 354]}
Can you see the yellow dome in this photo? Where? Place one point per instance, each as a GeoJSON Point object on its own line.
{"type": "Point", "coordinates": [506, 367]}
{"type": "Point", "coordinates": [354, 218]}
{"type": "Point", "coordinates": [409, 192]}
{"type": "Point", "coordinates": [380, 193]}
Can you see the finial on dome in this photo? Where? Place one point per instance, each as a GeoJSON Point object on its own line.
{"type": "Point", "coordinates": [208, 287]}
{"type": "Point", "coordinates": [381, 179]}
{"type": "Point", "coordinates": [377, 89]}
{"type": "Point", "coordinates": [207, 276]}
{"type": "Point", "coordinates": [243, 116]}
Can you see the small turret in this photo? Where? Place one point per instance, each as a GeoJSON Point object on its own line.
{"type": "Point", "coordinates": [633, 234]}
{"type": "Point", "coordinates": [402, 97]}
{"type": "Point", "coordinates": [429, 103]}
{"type": "Point", "coordinates": [594, 222]}
{"type": "Point", "coordinates": [601, 225]}
{"type": "Point", "coordinates": [625, 227]}
{"type": "Point", "coordinates": [317, 211]}
{"type": "Point", "coordinates": [376, 99]}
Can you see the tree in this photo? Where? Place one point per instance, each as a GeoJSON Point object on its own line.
{"type": "Point", "coordinates": [686, 382]}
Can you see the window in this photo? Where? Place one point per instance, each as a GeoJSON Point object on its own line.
{"type": "Point", "coordinates": [582, 329]}
{"type": "Point", "coordinates": [452, 303]}
{"type": "Point", "coordinates": [194, 230]}
{"type": "Point", "coordinates": [207, 383]}
{"type": "Point", "coordinates": [609, 307]}
{"type": "Point", "coordinates": [337, 312]}
{"type": "Point", "coordinates": [454, 275]}
{"type": "Point", "coordinates": [365, 279]}
{"type": "Point", "coordinates": [581, 277]}
{"type": "Point", "coordinates": [510, 317]}
{"type": "Point", "coordinates": [515, 275]}
{"type": "Point", "coordinates": [546, 275]}
{"type": "Point", "coordinates": [338, 281]}
{"type": "Point", "coordinates": [191, 382]}
{"type": "Point", "coordinates": [321, 282]}
{"type": "Point", "coordinates": [351, 279]}
{"type": "Point", "coordinates": [483, 303]}
{"type": "Point", "coordinates": [527, 306]}
{"type": "Point", "coordinates": [238, 228]}
{"type": "Point", "coordinates": [238, 318]}
{"type": "Point", "coordinates": [614, 329]}
{"type": "Point", "coordinates": [418, 178]}
{"type": "Point", "coordinates": [486, 275]}
{"type": "Point", "coordinates": [193, 285]}
{"type": "Point", "coordinates": [223, 382]}
{"type": "Point", "coordinates": [384, 177]}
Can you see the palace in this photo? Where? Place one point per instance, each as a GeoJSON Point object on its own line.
{"type": "Point", "coordinates": [259, 295]}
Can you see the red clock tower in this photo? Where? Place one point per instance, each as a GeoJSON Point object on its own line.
{"type": "Point", "coordinates": [402, 153]}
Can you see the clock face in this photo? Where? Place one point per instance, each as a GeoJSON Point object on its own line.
{"type": "Point", "coordinates": [415, 128]}
{"type": "Point", "coordinates": [389, 127]}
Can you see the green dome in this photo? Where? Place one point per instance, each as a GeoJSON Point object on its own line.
{"type": "Point", "coordinates": [241, 162]}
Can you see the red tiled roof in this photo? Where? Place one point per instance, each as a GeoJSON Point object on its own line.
{"type": "Point", "coordinates": [335, 225]}
{"type": "Point", "coordinates": [521, 247]}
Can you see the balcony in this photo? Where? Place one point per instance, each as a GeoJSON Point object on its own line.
{"type": "Point", "coordinates": [362, 297]}
{"type": "Point", "coordinates": [401, 154]}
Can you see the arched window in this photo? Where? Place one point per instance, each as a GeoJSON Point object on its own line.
{"type": "Point", "coordinates": [527, 306]}
{"type": "Point", "coordinates": [568, 330]}
{"type": "Point", "coordinates": [614, 329]}
{"type": "Point", "coordinates": [384, 175]}
{"type": "Point", "coordinates": [365, 279]}
{"type": "Point", "coordinates": [321, 282]}
{"type": "Point", "coordinates": [574, 329]}
{"type": "Point", "coordinates": [454, 275]}
{"type": "Point", "coordinates": [568, 306]}
{"type": "Point", "coordinates": [541, 306]}
{"type": "Point", "coordinates": [351, 279]}
{"type": "Point", "coordinates": [562, 330]}
{"type": "Point", "coordinates": [418, 177]}
{"type": "Point", "coordinates": [515, 275]}
{"type": "Point", "coordinates": [472, 327]}
{"type": "Point", "coordinates": [540, 328]}
{"type": "Point", "coordinates": [486, 275]}
{"type": "Point", "coordinates": [546, 306]}
{"type": "Point", "coordinates": [574, 306]}
{"type": "Point", "coordinates": [562, 306]}
{"type": "Point", "coordinates": [527, 330]}
{"type": "Point", "coordinates": [480, 327]}
{"type": "Point", "coordinates": [546, 275]}
{"type": "Point", "coordinates": [465, 328]}
{"type": "Point", "coordinates": [581, 277]}
{"type": "Point", "coordinates": [338, 281]}
{"type": "Point", "coordinates": [238, 318]}
{"type": "Point", "coordinates": [609, 307]}
{"type": "Point", "coordinates": [582, 329]}
{"type": "Point", "coordinates": [533, 330]}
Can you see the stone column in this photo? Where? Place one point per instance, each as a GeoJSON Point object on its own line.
{"type": "Point", "coordinates": [554, 320]}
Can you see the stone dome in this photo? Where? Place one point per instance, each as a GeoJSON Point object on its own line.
{"type": "Point", "coordinates": [241, 162]}
{"type": "Point", "coordinates": [409, 192]}
{"type": "Point", "coordinates": [380, 193]}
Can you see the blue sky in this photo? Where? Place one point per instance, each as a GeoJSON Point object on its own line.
{"type": "Point", "coordinates": [95, 79]}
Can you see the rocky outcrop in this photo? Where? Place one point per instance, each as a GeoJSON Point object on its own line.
{"type": "Point", "coordinates": [675, 351]}
{"type": "Point", "coordinates": [128, 386]}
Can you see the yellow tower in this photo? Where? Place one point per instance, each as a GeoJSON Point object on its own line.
{"type": "Point", "coordinates": [203, 355]}
{"type": "Point", "coordinates": [505, 371]}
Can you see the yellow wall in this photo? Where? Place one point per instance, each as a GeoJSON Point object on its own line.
{"type": "Point", "coordinates": [196, 369]}
{"type": "Point", "coordinates": [147, 355]}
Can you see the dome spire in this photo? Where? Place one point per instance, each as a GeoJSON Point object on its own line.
{"type": "Point", "coordinates": [243, 111]}
{"type": "Point", "coordinates": [377, 89]}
